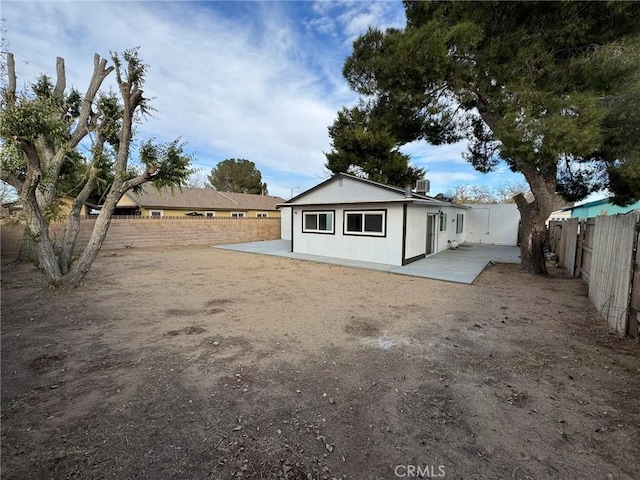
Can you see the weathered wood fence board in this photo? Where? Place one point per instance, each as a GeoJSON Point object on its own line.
{"type": "Point", "coordinates": [610, 276]}
{"type": "Point", "coordinates": [604, 251]}
{"type": "Point", "coordinates": [562, 237]}
{"type": "Point", "coordinates": [588, 230]}
{"type": "Point", "coordinates": [634, 303]}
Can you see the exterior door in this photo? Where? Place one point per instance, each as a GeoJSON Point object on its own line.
{"type": "Point", "coordinates": [431, 233]}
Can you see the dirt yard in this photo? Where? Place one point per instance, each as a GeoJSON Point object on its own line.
{"type": "Point", "coordinates": [203, 363]}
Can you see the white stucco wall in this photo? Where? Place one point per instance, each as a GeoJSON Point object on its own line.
{"type": "Point", "coordinates": [450, 232]}
{"type": "Point", "coordinates": [355, 247]}
{"type": "Point", "coordinates": [416, 231]}
{"type": "Point", "coordinates": [495, 224]}
{"type": "Point", "coordinates": [285, 223]}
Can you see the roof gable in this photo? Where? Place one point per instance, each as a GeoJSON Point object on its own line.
{"type": "Point", "coordinates": [345, 188]}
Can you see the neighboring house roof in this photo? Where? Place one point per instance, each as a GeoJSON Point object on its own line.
{"type": "Point", "coordinates": [595, 203]}
{"type": "Point", "coordinates": [202, 199]}
{"type": "Point", "coordinates": [587, 205]}
{"type": "Point", "coordinates": [414, 197]}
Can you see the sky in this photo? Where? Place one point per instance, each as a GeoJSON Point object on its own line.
{"type": "Point", "coordinates": [255, 80]}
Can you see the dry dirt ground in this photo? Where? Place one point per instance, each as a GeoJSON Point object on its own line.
{"type": "Point", "coordinates": [202, 363]}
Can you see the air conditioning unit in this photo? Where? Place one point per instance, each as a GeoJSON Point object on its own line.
{"type": "Point", "coordinates": [423, 186]}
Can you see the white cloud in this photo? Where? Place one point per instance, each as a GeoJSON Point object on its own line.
{"type": "Point", "coordinates": [352, 18]}
{"type": "Point", "coordinates": [231, 87]}
{"type": "Point", "coordinates": [441, 182]}
{"type": "Point", "coordinates": [424, 154]}
{"type": "Point", "coordinates": [233, 79]}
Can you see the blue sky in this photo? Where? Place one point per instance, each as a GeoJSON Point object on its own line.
{"type": "Point", "coordinates": [235, 79]}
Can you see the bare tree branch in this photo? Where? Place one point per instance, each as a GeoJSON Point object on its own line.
{"type": "Point", "coordinates": [12, 81]}
{"type": "Point", "coordinates": [61, 79]}
{"type": "Point", "coordinates": [100, 72]}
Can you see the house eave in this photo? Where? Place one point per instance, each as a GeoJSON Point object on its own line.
{"type": "Point", "coordinates": [400, 201]}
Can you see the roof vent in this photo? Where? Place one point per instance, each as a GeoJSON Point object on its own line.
{"type": "Point", "coordinates": [423, 186]}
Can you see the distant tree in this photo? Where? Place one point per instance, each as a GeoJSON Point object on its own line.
{"type": "Point", "coordinates": [471, 194]}
{"type": "Point", "coordinates": [507, 192]}
{"type": "Point", "coordinates": [550, 88]}
{"type": "Point", "coordinates": [368, 151]}
{"type": "Point", "coordinates": [237, 175]}
{"type": "Point", "coordinates": [41, 129]}
{"type": "Point", "coordinates": [7, 193]}
{"type": "Point", "coordinates": [198, 179]}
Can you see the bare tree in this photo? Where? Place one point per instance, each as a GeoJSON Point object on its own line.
{"type": "Point", "coordinates": [41, 131]}
{"type": "Point", "coordinates": [507, 192]}
{"type": "Point", "coordinates": [7, 193]}
{"type": "Point", "coordinates": [466, 194]}
{"type": "Point", "coordinates": [198, 179]}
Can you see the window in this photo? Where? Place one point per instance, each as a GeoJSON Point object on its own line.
{"type": "Point", "coordinates": [262, 215]}
{"type": "Point", "coordinates": [317, 222]}
{"type": "Point", "coordinates": [210, 214]}
{"type": "Point", "coordinates": [367, 222]}
{"type": "Point", "coordinates": [443, 222]}
{"type": "Point", "coordinates": [237, 214]}
{"type": "Point", "coordinates": [155, 213]}
{"type": "Point", "coordinates": [459, 223]}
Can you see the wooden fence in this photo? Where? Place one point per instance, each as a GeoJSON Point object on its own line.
{"type": "Point", "coordinates": [604, 252]}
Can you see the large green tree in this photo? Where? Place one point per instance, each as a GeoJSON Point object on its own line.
{"type": "Point", "coordinates": [550, 88]}
{"type": "Point", "coordinates": [43, 129]}
{"type": "Point", "coordinates": [368, 150]}
{"type": "Point", "coordinates": [237, 175]}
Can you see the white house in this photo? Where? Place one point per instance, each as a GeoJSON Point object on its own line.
{"type": "Point", "coordinates": [353, 218]}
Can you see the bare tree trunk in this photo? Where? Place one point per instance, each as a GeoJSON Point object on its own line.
{"type": "Point", "coordinates": [36, 228]}
{"type": "Point", "coordinates": [131, 97]}
{"type": "Point", "coordinates": [73, 227]}
{"type": "Point", "coordinates": [534, 236]}
{"type": "Point", "coordinates": [50, 159]}
{"type": "Point", "coordinates": [12, 79]}
{"type": "Point", "coordinates": [53, 158]}
{"type": "Point", "coordinates": [82, 266]}
{"type": "Point", "coordinates": [534, 215]}
{"type": "Point", "coordinates": [542, 178]}
{"type": "Point", "coordinates": [44, 160]}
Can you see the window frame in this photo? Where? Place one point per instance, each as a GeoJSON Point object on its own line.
{"type": "Point", "coordinates": [443, 221]}
{"type": "Point", "coordinates": [332, 231]}
{"type": "Point", "coordinates": [238, 214]}
{"type": "Point", "coordinates": [459, 223]}
{"type": "Point", "coordinates": [363, 213]}
{"type": "Point", "coordinates": [209, 214]}
{"type": "Point", "coordinates": [262, 215]}
{"type": "Point", "coordinates": [160, 212]}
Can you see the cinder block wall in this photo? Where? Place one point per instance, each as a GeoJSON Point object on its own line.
{"type": "Point", "coordinates": [127, 232]}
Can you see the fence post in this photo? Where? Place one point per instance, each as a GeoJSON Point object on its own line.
{"type": "Point", "coordinates": [579, 246]}
{"type": "Point", "coordinates": [633, 309]}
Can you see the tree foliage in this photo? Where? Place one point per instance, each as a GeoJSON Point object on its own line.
{"type": "Point", "coordinates": [369, 151]}
{"type": "Point", "coordinates": [59, 143]}
{"type": "Point", "coordinates": [237, 175]}
{"type": "Point", "coordinates": [550, 88]}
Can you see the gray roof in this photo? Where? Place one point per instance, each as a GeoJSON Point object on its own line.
{"type": "Point", "coordinates": [202, 199]}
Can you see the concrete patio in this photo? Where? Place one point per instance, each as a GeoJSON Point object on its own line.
{"type": "Point", "coordinates": [462, 265]}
